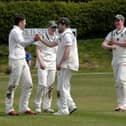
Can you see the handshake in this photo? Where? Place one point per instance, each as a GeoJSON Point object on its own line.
{"type": "Point", "coordinates": [38, 37]}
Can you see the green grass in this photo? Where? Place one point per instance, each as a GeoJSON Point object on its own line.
{"type": "Point", "coordinates": [93, 93]}
{"type": "Point", "coordinates": [93, 57]}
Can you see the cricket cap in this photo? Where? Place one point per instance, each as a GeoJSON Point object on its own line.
{"type": "Point", "coordinates": [52, 24]}
{"type": "Point", "coordinates": [64, 20]}
{"type": "Point", "coordinates": [119, 17]}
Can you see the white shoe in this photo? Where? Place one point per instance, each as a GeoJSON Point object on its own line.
{"type": "Point", "coordinates": [59, 113]}
{"type": "Point", "coordinates": [72, 109]}
{"type": "Point", "coordinates": [49, 110]}
{"type": "Point", "coordinates": [37, 110]}
{"type": "Point", "coordinates": [120, 108]}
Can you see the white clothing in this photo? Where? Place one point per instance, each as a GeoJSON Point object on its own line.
{"type": "Point", "coordinates": [46, 77]}
{"type": "Point", "coordinates": [44, 90]}
{"type": "Point", "coordinates": [119, 71]}
{"type": "Point", "coordinates": [19, 68]}
{"type": "Point", "coordinates": [17, 43]}
{"type": "Point", "coordinates": [119, 65]}
{"type": "Point", "coordinates": [119, 54]}
{"type": "Point", "coordinates": [68, 38]}
{"type": "Point", "coordinates": [48, 54]}
{"type": "Point", "coordinates": [65, 101]}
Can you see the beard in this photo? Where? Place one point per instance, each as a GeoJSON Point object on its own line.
{"type": "Point", "coordinates": [60, 31]}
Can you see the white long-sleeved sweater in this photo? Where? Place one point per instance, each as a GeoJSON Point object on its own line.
{"type": "Point", "coordinates": [17, 43]}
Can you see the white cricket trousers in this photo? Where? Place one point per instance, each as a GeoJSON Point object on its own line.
{"type": "Point", "coordinates": [65, 101]}
{"type": "Point", "coordinates": [119, 71]}
{"type": "Point", "coordinates": [46, 79]}
{"type": "Point", "coordinates": [19, 69]}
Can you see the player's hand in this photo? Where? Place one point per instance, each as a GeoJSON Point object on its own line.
{"type": "Point", "coordinates": [105, 46]}
{"type": "Point", "coordinates": [38, 37]}
{"type": "Point", "coordinates": [42, 66]}
{"type": "Point", "coordinates": [113, 42]}
{"type": "Point", "coordinates": [58, 67]}
{"type": "Point", "coordinates": [114, 46]}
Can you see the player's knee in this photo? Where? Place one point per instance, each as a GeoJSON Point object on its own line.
{"type": "Point", "coordinates": [41, 87]}
{"type": "Point", "coordinates": [121, 80]}
{"type": "Point", "coordinates": [43, 84]}
{"type": "Point", "coordinates": [10, 90]}
{"type": "Point", "coordinates": [50, 88]}
{"type": "Point", "coordinates": [11, 87]}
{"type": "Point", "coordinates": [28, 85]}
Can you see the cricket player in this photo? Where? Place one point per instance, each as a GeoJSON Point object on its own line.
{"type": "Point", "coordinates": [116, 40]}
{"type": "Point", "coordinates": [67, 61]}
{"type": "Point", "coordinates": [19, 68]}
{"type": "Point", "coordinates": [46, 64]}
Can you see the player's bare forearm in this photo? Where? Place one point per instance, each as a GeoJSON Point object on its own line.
{"type": "Point", "coordinates": [121, 44]}
{"type": "Point", "coordinates": [107, 45]}
{"type": "Point", "coordinates": [46, 42]}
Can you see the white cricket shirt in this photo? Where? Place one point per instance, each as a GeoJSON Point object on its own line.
{"type": "Point", "coordinates": [48, 53]}
{"type": "Point", "coordinates": [119, 54]}
{"type": "Point", "coordinates": [17, 43]}
{"type": "Point", "coordinates": [65, 39]}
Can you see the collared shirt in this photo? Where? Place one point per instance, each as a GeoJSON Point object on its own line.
{"type": "Point", "coordinates": [17, 43]}
{"type": "Point", "coordinates": [67, 38]}
{"type": "Point", "coordinates": [48, 53]}
{"type": "Point", "coordinates": [119, 54]}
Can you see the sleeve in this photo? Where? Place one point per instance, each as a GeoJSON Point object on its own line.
{"type": "Point", "coordinates": [125, 36]}
{"type": "Point", "coordinates": [109, 36]}
{"type": "Point", "coordinates": [20, 39]}
{"type": "Point", "coordinates": [68, 39]}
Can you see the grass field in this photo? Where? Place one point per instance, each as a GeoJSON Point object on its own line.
{"type": "Point", "coordinates": [93, 93]}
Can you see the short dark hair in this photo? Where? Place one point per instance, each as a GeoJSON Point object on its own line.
{"type": "Point", "coordinates": [18, 18]}
{"type": "Point", "coordinates": [64, 21]}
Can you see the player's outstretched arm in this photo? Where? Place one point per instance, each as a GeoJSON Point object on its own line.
{"type": "Point", "coordinates": [39, 37]}
{"type": "Point", "coordinates": [48, 43]}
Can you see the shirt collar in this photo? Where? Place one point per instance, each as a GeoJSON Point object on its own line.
{"type": "Point", "coordinates": [17, 28]}
{"type": "Point", "coordinates": [67, 30]}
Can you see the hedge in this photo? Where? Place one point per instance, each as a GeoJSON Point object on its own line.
{"type": "Point", "coordinates": [92, 19]}
{"type": "Point", "coordinates": [49, 0]}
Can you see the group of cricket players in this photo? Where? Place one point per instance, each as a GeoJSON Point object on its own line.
{"type": "Point", "coordinates": [57, 52]}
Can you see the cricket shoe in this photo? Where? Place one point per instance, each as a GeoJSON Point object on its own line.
{"type": "Point", "coordinates": [30, 112]}
{"type": "Point", "coordinates": [38, 110]}
{"type": "Point", "coordinates": [120, 109]}
{"type": "Point", "coordinates": [49, 110]}
{"type": "Point", "coordinates": [61, 113]}
{"type": "Point", "coordinates": [72, 109]}
{"type": "Point", "coordinates": [13, 113]}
